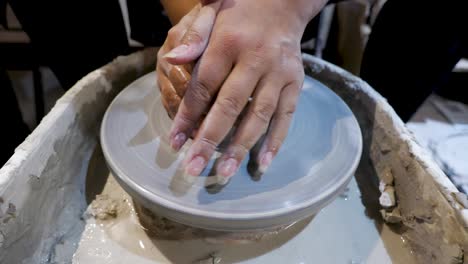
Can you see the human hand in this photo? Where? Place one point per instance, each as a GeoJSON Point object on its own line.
{"type": "Point", "coordinates": [253, 52]}
{"type": "Point", "coordinates": [173, 79]}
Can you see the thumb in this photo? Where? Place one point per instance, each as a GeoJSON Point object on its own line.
{"type": "Point", "coordinates": [196, 37]}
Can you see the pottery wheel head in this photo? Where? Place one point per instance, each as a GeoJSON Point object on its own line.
{"type": "Point", "coordinates": [313, 166]}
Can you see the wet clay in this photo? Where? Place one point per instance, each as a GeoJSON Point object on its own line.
{"type": "Point", "coordinates": [143, 233]}
{"type": "Point", "coordinates": [118, 230]}
{"type": "Point", "coordinates": [423, 219]}
{"type": "Point", "coordinates": [112, 214]}
{"type": "Point", "coordinates": [158, 227]}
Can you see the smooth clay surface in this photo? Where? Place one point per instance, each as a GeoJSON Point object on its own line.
{"type": "Point", "coordinates": [302, 178]}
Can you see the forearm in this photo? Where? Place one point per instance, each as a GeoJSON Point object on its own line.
{"type": "Point", "coordinates": [176, 9]}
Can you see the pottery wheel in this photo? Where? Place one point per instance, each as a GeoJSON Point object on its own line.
{"type": "Point", "coordinates": [314, 165]}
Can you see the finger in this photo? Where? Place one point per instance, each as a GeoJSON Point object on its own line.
{"type": "Point", "coordinates": [229, 103]}
{"type": "Point", "coordinates": [161, 63]}
{"type": "Point", "coordinates": [208, 75]}
{"type": "Point", "coordinates": [253, 125]}
{"type": "Point", "coordinates": [169, 97]}
{"type": "Point", "coordinates": [179, 77]}
{"type": "Point", "coordinates": [279, 125]}
{"type": "Point", "coordinates": [172, 80]}
{"type": "Point", "coordinates": [196, 38]}
{"type": "Point", "coordinates": [174, 37]}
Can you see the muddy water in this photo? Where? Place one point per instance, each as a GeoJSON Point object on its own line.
{"type": "Point", "coordinates": [340, 233]}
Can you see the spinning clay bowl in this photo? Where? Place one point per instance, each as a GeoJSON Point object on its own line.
{"type": "Point", "coordinates": [315, 164]}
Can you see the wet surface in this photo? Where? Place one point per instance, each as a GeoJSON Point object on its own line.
{"type": "Point", "coordinates": [340, 233]}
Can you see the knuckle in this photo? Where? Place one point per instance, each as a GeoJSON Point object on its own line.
{"type": "Point", "coordinates": [230, 106]}
{"type": "Point", "coordinates": [233, 36]}
{"type": "Point", "coordinates": [259, 50]}
{"type": "Point", "coordinates": [295, 76]}
{"type": "Point", "coordinates": [293, 69]}
{"type": "Point", "coordinates": [259, 46]}
{"type": "Point", "coordinates": [193, 36]}
{"type": "Point", "coordinates": [264, 111]}
{"type": "Point", "coordinates": [210, 143]}
{"type": "Point", "coordinates": [274, 144]}
{"type": "Point", "coordinates": [288, 111]}
{"type": "Point", "coordinates": [173, 33]}
{"type": "Point", "coordinates": [296, 85]}
{"type": "Point", "coordinates": [259, 56]}
{"type": "Point", "coordinates": [186, 116]}
{"type": "Point", "coordinates": [257, 61]}
{"type": "Point", "coordinates": [199, 93]}
{"type": "Point", "coordinates": [244, 147]}
{"type": "Point", "coordinates": [229, 42]}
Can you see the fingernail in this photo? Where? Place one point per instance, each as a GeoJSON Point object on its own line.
{"type": "Point", "coordinates": [178, 141]}
{"type": "Point", "coordinates": [228, 167]}
{"type": "Point", "coordinates": [265, 162]}
{"type": "Point", "coordinates": [196, 166]}
{"type": "Point", "coordinates": [177, 51]}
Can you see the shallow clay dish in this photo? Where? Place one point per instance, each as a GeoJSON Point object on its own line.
{"type": "Point", "coordinates": [315, 164]}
